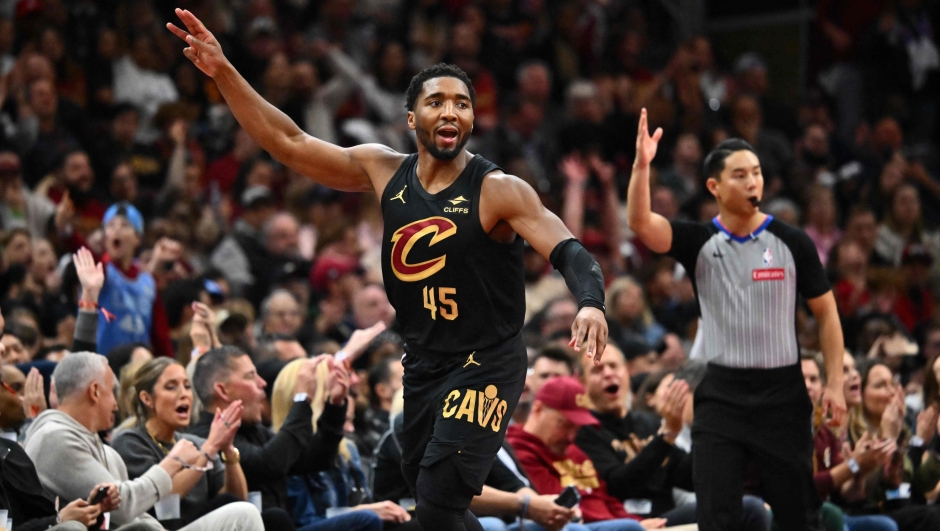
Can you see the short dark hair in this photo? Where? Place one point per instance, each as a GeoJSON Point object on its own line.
{"type": "Point", "coordinates": [381, 372]}
{"type": "Point", "coordinates": [212, 367]}
{"type": "Point", "coordinates": [555, 353]}
{"type": "Point", "coordinates": [432, 72]}
{"type": "Point", "coordinates": [715, 160]}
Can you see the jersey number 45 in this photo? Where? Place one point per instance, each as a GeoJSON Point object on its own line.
{"type": "Point", "coordinates": [447, 306]}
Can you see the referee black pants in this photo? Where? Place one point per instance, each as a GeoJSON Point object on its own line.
{"type": "Point", "coordinates": [758, 416]}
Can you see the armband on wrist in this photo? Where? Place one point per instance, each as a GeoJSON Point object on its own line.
{"type": "Point", "coordinates": [524, 510]}
{"type": "Point", "coordinates": [853, 465]}
{"type": "Point", "coordinates": [917, 441]}
{"type": "Point", "coordinates": [582, 273]}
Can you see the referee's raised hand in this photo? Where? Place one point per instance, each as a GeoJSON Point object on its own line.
{"type": "Point", "coordinates": [646, 144]}
{"type": "Point", "coordinates": [589, 329]}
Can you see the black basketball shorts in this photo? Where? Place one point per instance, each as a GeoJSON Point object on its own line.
{"type": "Point", "coordinates": [456, 412]}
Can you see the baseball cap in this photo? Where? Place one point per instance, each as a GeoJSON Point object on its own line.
{"type": "Point", "coordinates": [127, 210]}
{"type": "Point", "coordinates": [329, 268]}
{"type": "Point", "coordinates": [566, 395]}
{"type": "Point", "coordinates": [256, 195]}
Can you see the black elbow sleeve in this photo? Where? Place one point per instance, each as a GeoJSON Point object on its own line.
{"type": "Point", "coordinates": [581, 271]}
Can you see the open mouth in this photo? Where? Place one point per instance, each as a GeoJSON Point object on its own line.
{"type": "Point", "coordinates": [116, 243]}
{"type": "Point", "coordinates": [448, 135]}
{"type": "Point", "coordinates": [182, 410]}
{"type": "Point", "coordinates": [612, 389]}
{"type": "Point", "coordinates": [854, 388]}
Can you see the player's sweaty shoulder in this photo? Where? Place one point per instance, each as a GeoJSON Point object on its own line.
{"type": "Point", "coordinates": [379, 162]}
{"type": "Point", "coordinates": [502, 193]}
{"type": "Point", "coordinates": [504, 198]}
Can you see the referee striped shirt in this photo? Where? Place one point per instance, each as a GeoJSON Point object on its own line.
{"type": "Point", "coordinates": [746, 288]}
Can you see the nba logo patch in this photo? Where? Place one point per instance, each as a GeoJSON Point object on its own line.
{"type": "Point", "coordinates": [768, 257]}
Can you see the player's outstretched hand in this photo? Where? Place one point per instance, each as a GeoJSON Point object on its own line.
{"type": "Point", "coordinates": [646, 144]}
{"type": "Point", "coordinates": [589, 327]}
{"type": "Point", "coordinates": [204, 50]}
{"type": "Point", "coordinates": [833, 405]}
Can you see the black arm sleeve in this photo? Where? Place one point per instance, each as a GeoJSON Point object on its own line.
{"type": "Point", "coordinates": [86, 332]}
{"type": "Point", "coordinates": [581, 271]}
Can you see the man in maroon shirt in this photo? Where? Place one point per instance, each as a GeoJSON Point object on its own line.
{"type": "Point", "coordinates": [545, 448]}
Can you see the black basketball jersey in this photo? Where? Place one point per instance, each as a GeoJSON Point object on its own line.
{"type": "Point", "coordinates": [455, 289]}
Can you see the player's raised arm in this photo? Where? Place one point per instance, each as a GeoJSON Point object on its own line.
{"type": "Point", "coordinates": [653, 229]}
{"type": "Point", "coordinates": [351, 169]}
{"type": "Point", "coordinates": [510, 199]}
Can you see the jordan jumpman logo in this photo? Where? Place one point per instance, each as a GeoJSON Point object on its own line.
{"type": "Point", "coordinates": [470, 360]}
{"type": "Point", "coordinates": [400, 195]}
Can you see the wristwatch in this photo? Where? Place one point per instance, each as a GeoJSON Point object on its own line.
{"type": "Point", "coordinates": [917, 441]}
{"type": "Point", "coordinates": [853, 465]}
{"type": "Point", "coordinates": [238, 457]}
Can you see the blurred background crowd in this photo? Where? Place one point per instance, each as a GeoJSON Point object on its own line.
{"type": "Point", "coordinates": [98, 107]}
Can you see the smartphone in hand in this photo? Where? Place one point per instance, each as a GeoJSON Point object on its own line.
{"type": "Point", "coordinates": [99, 496]}
{"type": "Point", "coordinates": [568, 497]}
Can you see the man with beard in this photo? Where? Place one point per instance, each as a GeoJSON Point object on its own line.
{"type": "Point", "coordinates": [71, 188]}
{"type": "Point", "coordinates": [460, 316]}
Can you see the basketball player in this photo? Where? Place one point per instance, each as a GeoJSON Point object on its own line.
{"type": "Point", "coordinates": [452, 262]}
{"type": "Point", "coordinates": [747, 269]}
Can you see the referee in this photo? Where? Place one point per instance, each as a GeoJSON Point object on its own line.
{"type": "Point", "coordinates": [747, 269]}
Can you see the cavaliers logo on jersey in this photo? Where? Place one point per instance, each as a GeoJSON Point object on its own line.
{"type": "Point", "coordinates": [405, 239]}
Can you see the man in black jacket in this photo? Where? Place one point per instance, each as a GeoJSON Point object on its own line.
{"type": "Point", "coordinates": [635, 453]}
{"type": "Point", "coordinates": [23, 498]}
{"type": "Point", "coordinates": [226, 374]}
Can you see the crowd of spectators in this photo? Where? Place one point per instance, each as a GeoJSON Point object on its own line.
{"type": "Point", "coordinates": [139, 222]}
